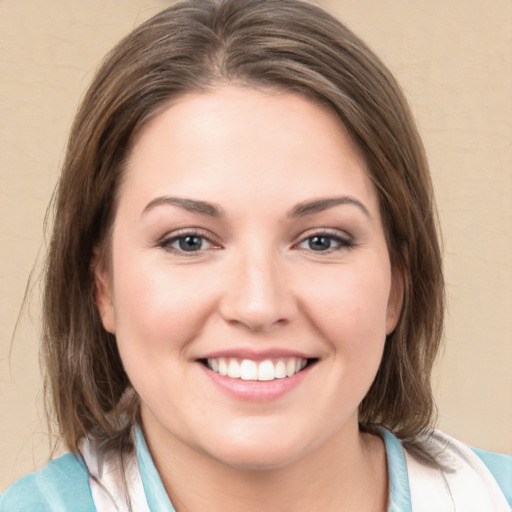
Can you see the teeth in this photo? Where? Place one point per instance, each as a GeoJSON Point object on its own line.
{"type": "Point", "coordinates": [233, 369]}
{"type": "Point", "coordinates": [248, 370]}
{"type": "Point", "coordinates": [223, 367]}
{"type": "Point", "coordinates": [266, 370]}
{"type": "Point", "coordinates": [290, 367]}
{"type": "Point", "coordinates": [280, 370]}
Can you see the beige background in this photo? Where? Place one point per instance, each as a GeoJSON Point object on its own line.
{"type": "Point", "coordinates": [453, 58]}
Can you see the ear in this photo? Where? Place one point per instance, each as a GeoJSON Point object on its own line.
{"type": "Point", "coordinates": [395, 301]}
{"type": "Point", "coordinates": [103, 291]}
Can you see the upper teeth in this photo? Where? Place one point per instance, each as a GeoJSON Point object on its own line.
{"type": "Point", "coordinates": [247, 369]}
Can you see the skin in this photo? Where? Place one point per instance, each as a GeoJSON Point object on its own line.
{"type": "Point", "coordinates": [254, 284]}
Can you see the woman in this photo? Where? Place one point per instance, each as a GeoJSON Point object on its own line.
{"type": "Point", "coordinates": [244, 294]}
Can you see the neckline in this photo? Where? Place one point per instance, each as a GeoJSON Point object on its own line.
{"type": "Point", "coordinates": [399, 491]}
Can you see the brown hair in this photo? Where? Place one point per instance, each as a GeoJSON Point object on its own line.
{"type": "Point", "coordinates": [191, 46]}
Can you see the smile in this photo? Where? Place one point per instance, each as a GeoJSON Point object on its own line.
{"type": "Point", "coordinates": [248, 369]}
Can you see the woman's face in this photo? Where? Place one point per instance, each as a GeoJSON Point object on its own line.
{"type": "Point", "coordinates": [248, 240]}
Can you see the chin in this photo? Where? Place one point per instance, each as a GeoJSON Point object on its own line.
{"type": "Point", "coordinates": [248, 458]}
{"type": "Point", "coordinates": [253, 451]}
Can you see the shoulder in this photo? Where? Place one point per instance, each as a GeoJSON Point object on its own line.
{"type": "Point", "coordinates": [469, 476]}
{"type": "Point", "coordinates": [62, 485]}
{"type": "Point", "coordinates": [500, 466]}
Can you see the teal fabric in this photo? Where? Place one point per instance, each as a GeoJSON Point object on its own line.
{"type": "Point", "coordinates": [501, 468]}
{"type": "Point", "coordinates": [63, 486]}
{"type": "Point", "coordinates": [153, 486]}
{"type": "Point", "coordinates": [400, 500]}
{"type": "Point", "coordinates": [399, 492]}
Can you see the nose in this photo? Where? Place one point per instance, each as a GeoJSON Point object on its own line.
{"type": "Point", "coordinates": [258, 294]}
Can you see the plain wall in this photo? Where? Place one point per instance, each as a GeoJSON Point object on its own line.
{"type": "Point", "coordinates": [453, 59]}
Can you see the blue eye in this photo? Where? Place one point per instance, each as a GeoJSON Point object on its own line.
{"type": "Point", "coordinates": [325, 242]}
{"type": "Point", "coordinates": [190, 243]}
{"type": "Point", "coordinates": [320, 243]}
{"type": "Point", "coordinates": [186, 243]}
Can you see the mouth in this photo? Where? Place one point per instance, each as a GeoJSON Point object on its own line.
{"type": "Point", "coordinates": [253, 370]}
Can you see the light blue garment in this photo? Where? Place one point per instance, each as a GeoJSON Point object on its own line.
{"type": "Point", "coordinates": [501, 468]}
{"type": "Point", "coordinates": [63, 486]}
{"type": "Point", "coordinates": [153, 486]}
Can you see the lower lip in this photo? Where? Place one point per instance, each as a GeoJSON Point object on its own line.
{"type": "Point", "coordinates": [256, 390]}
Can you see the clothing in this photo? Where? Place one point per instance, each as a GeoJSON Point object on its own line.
{"type": "Point", "coordinates": [66, 484]}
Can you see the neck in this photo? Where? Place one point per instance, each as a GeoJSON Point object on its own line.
{"type": "Point", "coordinates": [348, 474]}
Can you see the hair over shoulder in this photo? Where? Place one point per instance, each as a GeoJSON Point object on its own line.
{"type": "Point", "coordinates": [193, 46]}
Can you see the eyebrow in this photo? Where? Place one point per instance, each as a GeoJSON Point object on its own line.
{"type": "Point", "coordinates": [319, 205]}
{"type": "Point", "coordinates": [191, 205]}
{"type": "Point", "coordinates": [300, 210]}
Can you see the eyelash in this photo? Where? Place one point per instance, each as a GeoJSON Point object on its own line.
{"type": "Point", "coordinates": [331, 235]}
{"type": "Point", "coordinates": [166, 243]}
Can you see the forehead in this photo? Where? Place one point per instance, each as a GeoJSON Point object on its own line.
{"type": "Point", "coordinates": [257, 144]}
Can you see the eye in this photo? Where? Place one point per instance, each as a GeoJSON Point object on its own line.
{"type": "Point", "coordinates": [187, 243]}
{"type": "Point", "coordinates": [190, 243]}
{"type": "Point", "coordinates": [325, 242]}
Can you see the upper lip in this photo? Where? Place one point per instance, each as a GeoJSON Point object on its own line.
{"type": "Point", "coordinates": [256, 354]}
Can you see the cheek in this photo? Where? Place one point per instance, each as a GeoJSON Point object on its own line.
{"type": "Point", "coordinates": [157, 308]}
{"type": "Point", "coordinates": [349, 307]}
{"type": "Point", "coordinates": [159, 311]}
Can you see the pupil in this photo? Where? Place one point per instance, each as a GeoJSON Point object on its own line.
{"type": "Point", "coordinates": [190, 243]}
{"type": "Point", "coordinates": [319, 243]}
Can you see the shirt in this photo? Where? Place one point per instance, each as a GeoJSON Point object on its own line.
{"type": "Point", "coordinates": [64, 485]}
